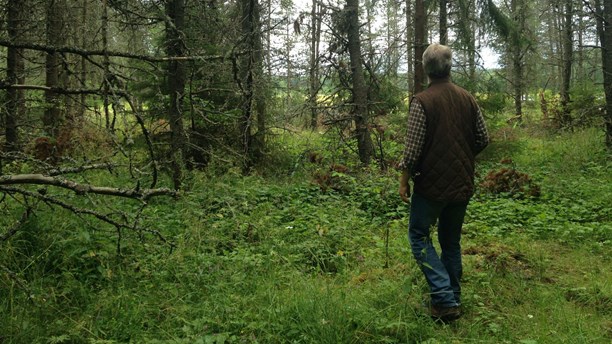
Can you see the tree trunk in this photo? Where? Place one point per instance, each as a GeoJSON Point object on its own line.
{"type": "Point", "coordinates": [443, 22]}
{"type": "Point", "coordinates": [259, 79]}
{"type": "Point", "coordinates": [409, 44]}
{"type": "Point", "coordinates": [52, 117]}
{"type": "Point", "coordinates": [607, 68]}
{"type": "Point", "coordinates": [565, 120]}
{"type": "Point", "coordinates": [517, 81]}
{"type": "Point", "coordinates": [360, 91]}
{"type": "Point", "coordinates": [420, 33]}
{"type": "Point", "coordinates": [516, 55]}
{"type": "Point", "coordinates": [599, 24]}
{"type": "Point", "coordinates": [315, 31]}
{"type": "Point", "coordinates": [175, 46]}
{"type": "Point", "coordinates": [581, 33]}
{"type": "Point", "coordinates": [288, 48]}
{"type": "Point", "coordinates": [252, 70]}
{"type": "Point", "coordinates": [558, 38]}
{"type": "Point", "coordinates": [84, 45]}
{"type": "Point", "coordinates": [106, 64]}
{"type": "Point", "coordinates": [14, 75]}
{"type": "Point", "coordinates": [268, 38]}
{"type": "Point", "coordinates": [472, 42]}
{"type": "Point", "coordinates": [369, 7]}
{"type": "Point", "coordinates": [551, 48]}
{"type": "Point", "coordinates": [392, 35]}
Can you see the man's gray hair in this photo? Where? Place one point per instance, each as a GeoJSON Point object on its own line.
{"type": "Point", "coordinates": [437, 61]}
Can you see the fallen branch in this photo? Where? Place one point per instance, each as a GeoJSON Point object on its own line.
{"type": "Point", "coordinates": [62, 171]}
{"type": "Point", "coordinates": [20, 282]}
{"type": "Point", "coordinates": [146, 135]}
{"type": "Point", "coordinates": [81, 189]}
{"type": "Point", "coordinates": [16, 226]}
{"type": "Point", "coordinates": [79, 211]}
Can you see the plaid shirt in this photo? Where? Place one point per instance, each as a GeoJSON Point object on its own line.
{"type": "Point", "coordinates": [415, 137]}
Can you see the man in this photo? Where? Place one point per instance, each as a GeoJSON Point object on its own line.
{"type": "Point", "coordinates": [446, 131]}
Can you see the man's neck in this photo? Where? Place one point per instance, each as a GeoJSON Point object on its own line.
{"type": "Point", "coordinates": [433, 81]}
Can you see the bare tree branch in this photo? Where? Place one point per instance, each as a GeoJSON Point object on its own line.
{"type": "Point", "coordinates": [21, 283]}
{"type": "Point", "coordinates": [146, 135]}
{"type": "Point", "coordinates": [16, 226]}
{"type": "Point", "coordinates": [60, 90]}
{"type": "Point", "coordinates": [81, 189]}
{"type": "Point", "coordinates": [77, 210]}
{"type": "Point", "coordinates": [68, 170]}
{"type": "Point", "coordinates": [85, 53]}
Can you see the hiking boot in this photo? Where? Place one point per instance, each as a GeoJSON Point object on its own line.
{"type": "Point", "coordinates": [445, 314]}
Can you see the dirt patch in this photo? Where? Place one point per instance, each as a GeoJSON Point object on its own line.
{"type": "Point", "coordinates": [501, 258]}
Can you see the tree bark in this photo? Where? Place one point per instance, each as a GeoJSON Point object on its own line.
{"type": "Point", "coordinates": [175, 46]}
{"type": "Point", "coordinates": [52, 118]}
{"type": "Point", "coordinates": [315, 38]}
{"type": "Point", "coordinates": [14, 74]}
{"type": "Point", "coordinates": [409, 45]}
{"type": "Point", "coordinates": [607, 68]}
{"type": "Point", "coordinates": [288, 48]}
{"type": "Point", "coordinates": [568, 50]}
{"type": "Point", "coordinates": [106, 64]}
{"type": "Point", "coordinates": [392, 35]}
{"type": "Point", "coordinates": [360, 91]}
{"type": "Point", "coordinates": [39, 179]}
{"type": "Point", "coordinates": [259, 79]}
{"type": "Point", "coordinates": [268, 37]}
{"type": "Point", "coordinates": [471, 14]}
{"type": "Point", "coordinates": [83, 66]}
{"type": "Point", "coordinates": [516, 55]}
{"type": "Point", "coordinates": [252, 84]}
{"type": "Point", "coordinates": [581, 33]}
{"type": "Point", "coordinates": [420, 33]}
{"type": "Point", "coordinates": [599, 24]}
{"type": "Point", "coordinates": [443, 22]}
{"type": "Point", "coordinates": [370, 53]}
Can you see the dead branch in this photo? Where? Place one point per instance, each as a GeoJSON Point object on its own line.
{"type": "Point", "coordinates": [20, 282]}
{"type": "Point", "coordinates": [146, 135]}
{"type": "Point", "coordinates": [16, 226]}
{"type": "Point", "coordinates": [81, 189]}
{"type": "Point", "coordinates": [79, 211]}
{"type": "Point", "coordinates": [58, 90]}
{"type": "Point", "coordinates": [86, 53]}
{"type": "Point", "coordinates": [68, 170]}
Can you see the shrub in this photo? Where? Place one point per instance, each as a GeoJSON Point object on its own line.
{"type": "Point", "coordinates": [509, 181]}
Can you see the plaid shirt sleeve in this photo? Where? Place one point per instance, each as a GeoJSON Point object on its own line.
{"type": "Point", "coordinates": [415, 136]}
{"type": "Point", "coordinates": [482, 136]}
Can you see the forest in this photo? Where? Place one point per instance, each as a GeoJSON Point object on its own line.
{"type": "Point", "coordinates": [208, 171]}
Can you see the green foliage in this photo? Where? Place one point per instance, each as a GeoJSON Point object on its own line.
{"type": "Point", "coordinates": [502, 24]}
{"type": "Point", "coordinates": [275, 258]}
{"type": "Point", "coordinates": [492, 103]}
{"type": "Point", "coordinates": [490, 93]}
{"type": "Point", "coordinates": [385, 97]}
{"type": "Point", "coordinates": [587, 105]}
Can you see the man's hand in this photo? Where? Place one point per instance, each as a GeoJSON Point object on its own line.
{"type": "Point", "coordinates": [404, 189]}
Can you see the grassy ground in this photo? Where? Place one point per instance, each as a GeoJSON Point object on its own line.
{"type": "Point", "coordinates": [276, 260]}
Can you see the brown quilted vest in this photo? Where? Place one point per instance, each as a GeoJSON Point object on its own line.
{"type": "Point", "coordinates": [445, 170]}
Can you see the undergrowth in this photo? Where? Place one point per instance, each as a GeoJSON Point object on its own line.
{"type": "Point", "coordinates": [261, 259]}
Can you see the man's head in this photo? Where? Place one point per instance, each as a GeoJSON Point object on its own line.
{"type": "Point", "coordinates": [437, 61]}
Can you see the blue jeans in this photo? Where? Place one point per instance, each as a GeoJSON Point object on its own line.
{"type": "Point", "coordinates": [443, 273]}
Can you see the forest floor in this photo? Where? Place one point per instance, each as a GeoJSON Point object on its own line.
{"type": "Point", "coordinates": [315, 254]}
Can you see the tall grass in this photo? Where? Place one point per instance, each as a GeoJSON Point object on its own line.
{"type": "Point", "coordinates": [263, 259]}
